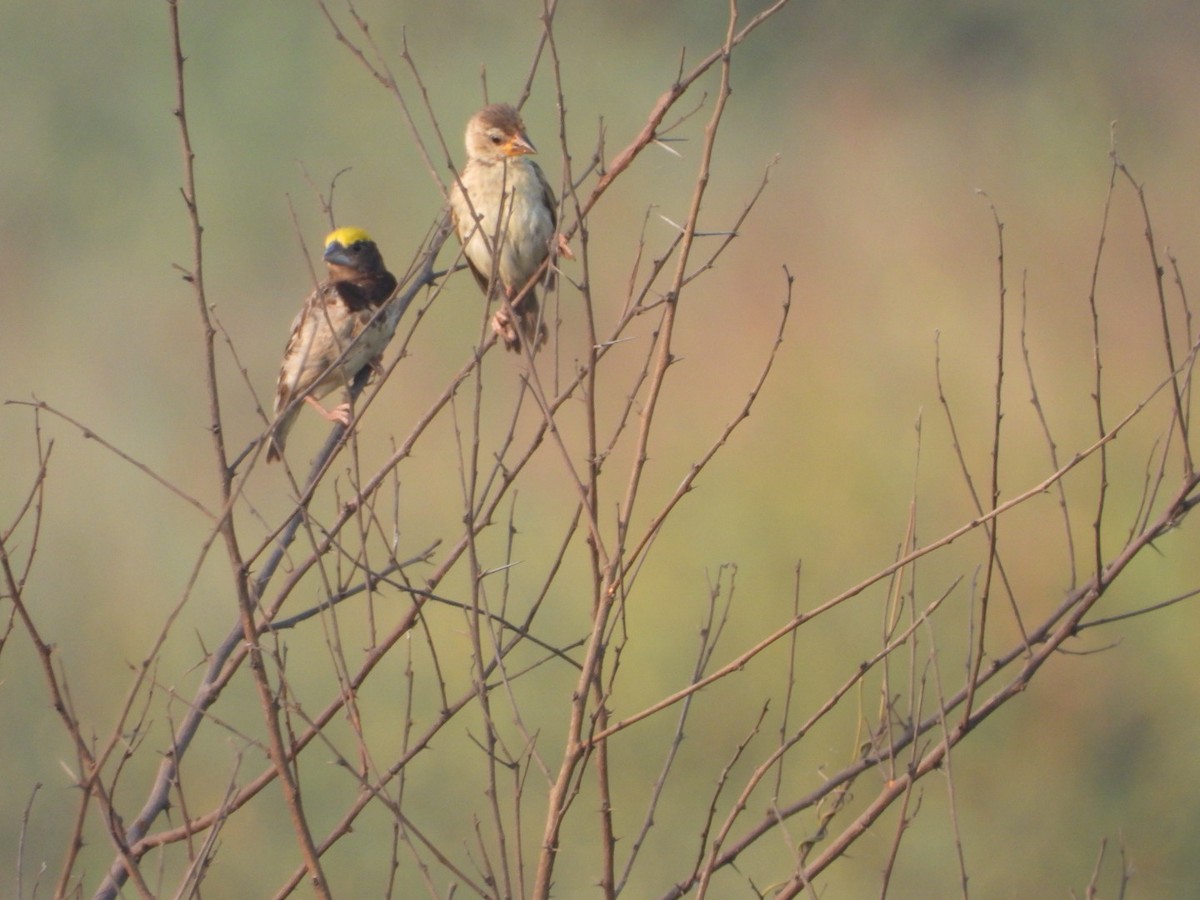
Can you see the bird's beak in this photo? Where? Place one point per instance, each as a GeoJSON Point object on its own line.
{"type": "Point", "coordinates": [519, 146]}
{"type": "Point", "coordinates": [338, 255]}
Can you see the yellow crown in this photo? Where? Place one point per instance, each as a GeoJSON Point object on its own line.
{"type": "Point", "coordinates": [347, 237]}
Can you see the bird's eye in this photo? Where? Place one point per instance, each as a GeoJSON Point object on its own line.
{"type": "Point", "coordinates": [496, 139]}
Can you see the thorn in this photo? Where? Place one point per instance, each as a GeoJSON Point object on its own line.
{"type": "Point", "coordinates": [660, 142]}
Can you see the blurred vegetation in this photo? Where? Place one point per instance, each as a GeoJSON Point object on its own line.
{"type": "Point", "coordinates": [887, 121]}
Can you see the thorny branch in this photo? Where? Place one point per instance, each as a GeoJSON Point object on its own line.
{"type": "Point", "coordinates": [340, 539]}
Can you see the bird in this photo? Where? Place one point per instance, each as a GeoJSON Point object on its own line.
{"type": "Point", "coordinates": [502, 201]}
{"type": "Point", "coordinates": [337, 332]}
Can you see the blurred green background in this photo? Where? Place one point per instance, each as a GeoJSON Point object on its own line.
{"type": "Point", "coordinates": [887, 120]}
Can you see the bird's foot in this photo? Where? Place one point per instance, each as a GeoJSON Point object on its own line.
{"type": "Point", "coordinates": [340, 413]}
{"type": "Point", "coordinates": [506, 330]}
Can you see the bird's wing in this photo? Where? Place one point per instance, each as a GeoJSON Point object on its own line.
{"type": "Point", "coordinates": [311, 346]}
{"type": "Point", "coordinates": [548, 198]}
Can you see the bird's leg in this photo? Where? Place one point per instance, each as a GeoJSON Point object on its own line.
{"type": "Point", "coordinates": [564, 249]}
{"type": "Point", "coordinates": [340, 413]}
{"type": "Point", "coordinates": [502, 324]}
{"type": "Point", "coordinates": [502, 320]}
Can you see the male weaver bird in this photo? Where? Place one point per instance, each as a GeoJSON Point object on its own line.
{"type": "Point", "coordinates": [509, 210]}
{"type": "Point", "coordinates": [338, 321]}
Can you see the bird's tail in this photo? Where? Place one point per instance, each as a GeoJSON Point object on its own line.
{"type": "Point", "coordinates": [278, 434]}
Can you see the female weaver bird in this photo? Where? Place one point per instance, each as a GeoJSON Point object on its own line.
{"type": "Point", "coordinates": [505, 214]}
{"type": "Point", "coordinates": [338, 331]}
